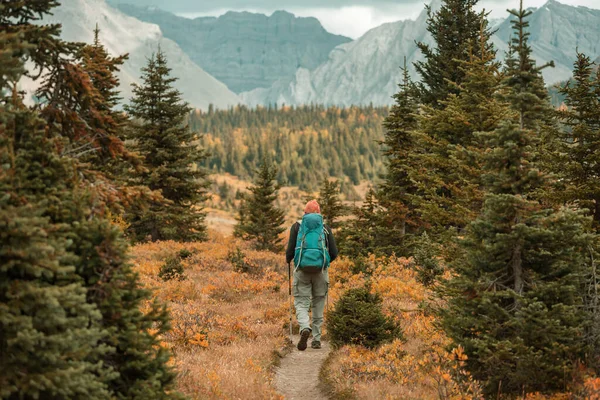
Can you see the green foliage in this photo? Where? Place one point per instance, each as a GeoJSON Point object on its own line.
{"type": "Point", "coordinates": [447, 161]}
{"type": "Point", "coordinates": [171, 156]}
{"type": "Point", "coordinates": [399, 215]}
{"type": "Point", "coordinates": [259, 219]}
{"type": "Point", "coordinates": [237, 258]}
{"type": "Point", "coordinates": [358, 236]}
{"type": "Point", "coordinates": [184, 254]}
{"type": "Point", "coordinates": [576, 159]}
{"type": "Point", "coordinates": [358, 319]}
{"type": "Point", "coordinates": [331, 205]}
{"type": "Point", "coordinates": [71, 325]}
{"type": "Point", "coordinates": [42, 298]}
{"type": "Point", "coordinates": [455, 28]}
{"type": "Point", "coordinates": [426, 254]}
{"type": "Point", "coordinates": [307, 143]}
{"type": "Point", "coordinates": [172, 269]}
{"type": "Point", "coordinates": [514, 303]}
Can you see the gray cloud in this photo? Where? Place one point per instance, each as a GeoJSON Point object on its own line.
{"type": "Point", "coordinates": [190, 6]}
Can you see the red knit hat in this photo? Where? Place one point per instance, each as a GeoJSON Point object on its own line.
{"type": "Point", "coordinates": [312, 207]}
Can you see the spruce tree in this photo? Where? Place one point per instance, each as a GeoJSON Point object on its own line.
{"type": "Point", "coordinates": [396, 193]}
{"type": "Point", "coordinates": [454, 27]}
{"type": "Point", "coordinates": [448, 154]}
{"type": "Point", "coordinates": [331, 205]}
{"type": "Point", "coordinates": [575, 162]}
{"type": "Point", "coordinates": [576, 159]}
{"type": "Point", "coordinates": [514, 304]}
{"type": "Point", "coordinates": [260, 220]}
{"type": "Point", "coordinates": [360, 235]}
{"type": "Point", "coordinates": [69, 255]}
{"type": "Point", "coordinates": [171, 156]}
{"type": "Point", "coordinates": [50, 336]}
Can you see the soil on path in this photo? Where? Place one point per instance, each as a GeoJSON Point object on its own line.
{"type": "Point", "coordinates": [297, 378]}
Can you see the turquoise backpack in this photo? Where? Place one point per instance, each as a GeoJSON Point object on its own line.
{"type": "Point", "coordinates": [311, 253]}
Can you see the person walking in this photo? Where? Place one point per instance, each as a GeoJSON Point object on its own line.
{"type": "Point", "coordinates": [312, 247]}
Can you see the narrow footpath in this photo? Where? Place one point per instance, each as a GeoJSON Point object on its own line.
{"type": "Point", "coordinates": [297, 378]}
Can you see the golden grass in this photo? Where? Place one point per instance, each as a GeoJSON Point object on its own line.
{"type": "Point", "coordinates": [229, 328]}
{"type": "Point", "coordinates": [420, 367]}
{"type": "Point", "coordinates": [227, 325]}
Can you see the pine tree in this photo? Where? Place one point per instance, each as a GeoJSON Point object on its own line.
{"type": "Point", "coordinates": [260, 220]}
{"type": "Point", "coordinates": [359, 236]}
{"type": "Point", "coordinates": [49, 335]}
{"type": "Point", "coordinates": [454, 28]}
{"type": "Point", "coordinates": [172, 157]}
{"type": "Point", "coordinates": [514, 304]}
{"type": "Point", "coordinates": [331, 205]}
{"type": "Point", "coordinates": [67, 253]}
{"type": "Point", "coordinates": [396, 193]}
{"type": "Point", "coordinates": [576, 159]}
{"type": "Point", "coordinates": [448, 155]}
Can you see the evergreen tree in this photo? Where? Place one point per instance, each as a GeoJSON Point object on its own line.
{"type": "Point", "coordinates": [455, 27]}
{"type": "Point", "coordinates": [448, 155]}
{"type": "Point", "coordinates": [49, 335]}
{"type": "Point", "coordinates": [260, 220]}
{"type": "Point", "coordinates": [358, 319]}
{"type": "Point", "coordinates": [331, 205]}
{"type": "Point", "coordinates": [576, 159]}
{"type": "Point", "coordinates": [172, 157]}
{"type": "Point", "coordinates": [396, 193]}
{"type": "Point", "coordinates": [359, 236]}
{"type": "Point", "coordinates": [514, 304]}
{"type": "Point", "coordinates": [72, 258]}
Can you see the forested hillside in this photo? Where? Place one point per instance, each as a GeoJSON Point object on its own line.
{"type": "Point", "coordinates": [307, 143]}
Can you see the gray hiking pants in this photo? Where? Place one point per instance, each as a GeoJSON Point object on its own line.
{"type": "Point", "coordinates": [309, 286]}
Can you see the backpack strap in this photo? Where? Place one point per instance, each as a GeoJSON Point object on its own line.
{"type": "Point", "coordinates": [299, 222]}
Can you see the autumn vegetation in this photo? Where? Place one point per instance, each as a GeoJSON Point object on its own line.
{"type": "Point", "coordinates": [468, 267]}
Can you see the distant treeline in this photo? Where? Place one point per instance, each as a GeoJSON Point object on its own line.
{"type": "Point", "coordinates": [306, 143]}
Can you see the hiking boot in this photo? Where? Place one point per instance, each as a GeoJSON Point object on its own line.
{"type": "Point", "coordinates": [315, 344]}
{"type": "Point", "coordinates": [303, 339]}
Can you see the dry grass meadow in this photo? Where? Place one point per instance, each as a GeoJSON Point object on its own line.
{"type": "Point", "coordinates": [230, 314]}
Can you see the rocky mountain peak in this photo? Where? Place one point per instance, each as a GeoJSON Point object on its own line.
{"type": "Point", "coordinates": [247, 50]}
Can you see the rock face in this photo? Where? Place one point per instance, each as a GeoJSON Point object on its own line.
{"type": "Point", "coordinates": [246, 50]}
{"type": "Point", "coordinates": [360, 72]}
{"type": "Point", "coordinates": [558, 31]}
{"type": "Point", "coordinates": [367, 69]}
{"type": "Point", "coordinates": [123, 34]}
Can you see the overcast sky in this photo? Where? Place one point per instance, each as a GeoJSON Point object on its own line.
{"type": "Point", "coordinates": [345, 17]}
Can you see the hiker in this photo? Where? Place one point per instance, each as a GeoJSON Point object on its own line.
{"type": "Point", "coordinates": [312, 247]}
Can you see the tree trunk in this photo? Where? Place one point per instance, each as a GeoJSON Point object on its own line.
{"type": "Point", "coordinates": [517, 267]}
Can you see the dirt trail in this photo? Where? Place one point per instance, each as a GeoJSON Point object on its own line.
{"type": "Point", "coordinates": [297, 378]}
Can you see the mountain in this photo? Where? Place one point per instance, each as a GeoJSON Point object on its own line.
{"type": "Point", "coordinates": [245, 50]}
{"type": "Point", "coordinates": [360, 72]}
{"type": "Point", "coordinates": [124, 34]}
{"type": "Point", "coordinates": [367, 69]}
{"type": "Point", "coordinates": [557, 32]}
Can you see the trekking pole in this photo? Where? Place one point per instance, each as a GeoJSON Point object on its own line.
{"type": "Point", "coordinates": [290, 297]}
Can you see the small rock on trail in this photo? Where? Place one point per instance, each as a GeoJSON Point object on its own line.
{"type": "Point", "coordinates": [297, 378]}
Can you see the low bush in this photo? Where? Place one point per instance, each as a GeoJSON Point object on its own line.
{"type": "Point", "coordinates": [172, 269]}
{"type": "Point", "coordinates": [358, 318]}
